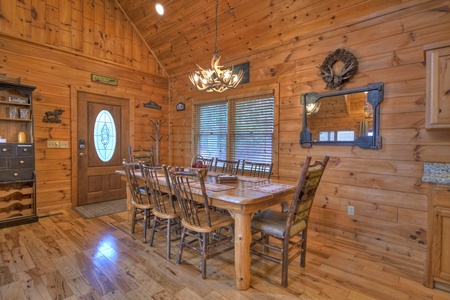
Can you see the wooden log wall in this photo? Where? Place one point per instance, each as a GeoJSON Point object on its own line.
{"type": "Point", "coordinates": [383, 185]}
{"type": "Point", "coordinates": [43, 44]}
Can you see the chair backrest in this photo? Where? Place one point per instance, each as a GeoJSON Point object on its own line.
{"type": "Point", "coordinates": [209, 162]}
{"type": "Point", "coordinates": [256, 169]}
{"type": "Point", "coordinates": [227, 166]}
{"type": "Point", "coordinates": [145, 156]}
{"type": "Point", "coordinates": [153, 183]}
{"type": "Point", "coordinates": [139, 194]}
{"type": "Point", "coordinates": [183, 185]}
{"type": "Point", "coordinates": [304, 194]}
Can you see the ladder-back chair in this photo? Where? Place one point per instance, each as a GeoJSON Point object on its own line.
{"type": "Point", "coordinates": [165, 211]}
{"type": "Point", "coordinates": [256, 169]}
{"type": "Point", "coordinates": [200, 222]}
{"type": "Point", "coordinates": [288, 227]}
{"type": "Point", "coordinates": [142, 207]}
{"type": "Point", "coordinates": [230, 167]}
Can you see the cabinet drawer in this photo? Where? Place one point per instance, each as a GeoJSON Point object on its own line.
{"type": "Point", "coordinates": [3, 162]}
{"type": "Point", "coordinates": [24, 149]}
{"type": "Point", "coordinates": [16, 174]}
{"type": "Point", "coordinates": [6, 149]}
{"type": "Point", "coordinates": [442, 197]}
{"type": "Point", "coordinates": [22, 162]}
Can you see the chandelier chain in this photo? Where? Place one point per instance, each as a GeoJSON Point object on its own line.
{"type": "Point", "coordinates": [216, 79]}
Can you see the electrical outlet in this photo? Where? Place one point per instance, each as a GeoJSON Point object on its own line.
{"type": "Point", "coordinates": [351, 210]}
{"type": "Point", "coordinates": [63, 144]}
{"type": "Point", "coordinates": [52, 144]}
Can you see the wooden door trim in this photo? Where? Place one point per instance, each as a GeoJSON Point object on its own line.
{"type": "Point", "coordinates": [74, 89]}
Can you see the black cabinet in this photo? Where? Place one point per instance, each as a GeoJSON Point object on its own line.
{"type": "Point", "coordinates": [17, 158]}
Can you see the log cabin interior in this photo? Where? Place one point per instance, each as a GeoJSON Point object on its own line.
{"type": "Point", "coordinates": [379, 227]}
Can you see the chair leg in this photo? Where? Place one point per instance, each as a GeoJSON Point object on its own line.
{"type": "Point", "coordinates": [285, 262]}
{"type": "Point", "coordinates": [204, 254]}
{"type": "Point", "coordinates": [133, 220]}
{"type": "Point", "coordinates": [169, 221]}
{"type": "Point", "coordinates": [266, 242]}
{"type": "Point", "coordinates": [144, 237]}
{"type": "Point", "coordinates": [180, 250]}
{"type": "Point", "coordinates": [303, 254]}
{"type": "Point", "coordinates": [153, 231]}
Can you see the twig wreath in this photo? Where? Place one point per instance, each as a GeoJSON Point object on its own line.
{"type": "Point", "coordinates": [350, 67]}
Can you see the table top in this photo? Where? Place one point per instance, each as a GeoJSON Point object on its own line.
{"type": "Point", "coordinates": [247, 195]}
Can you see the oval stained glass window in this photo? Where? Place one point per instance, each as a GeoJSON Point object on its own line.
{"type": "Point", "coordinates": [105, 135]}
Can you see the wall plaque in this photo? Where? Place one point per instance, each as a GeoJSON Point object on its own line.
{"type": "Point", "coordinates": [104, 79]}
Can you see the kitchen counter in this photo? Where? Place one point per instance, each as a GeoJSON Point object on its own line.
{"type": "Point", "coordinates": [436, 173]}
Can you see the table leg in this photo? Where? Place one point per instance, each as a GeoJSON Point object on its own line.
{"type": "Point", "coordinates": [242, 240]}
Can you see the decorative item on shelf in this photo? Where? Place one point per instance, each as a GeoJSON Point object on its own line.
{"type": "Point", "coordinates": [197, 164]}
{"type": "Point", "coordinates": [21, 137]}
{"type": "Point", "coordinates": [24, 113]}
{"type": "Point", "coordinates": [152, 104]}
{"type": "Point", "coordinates": [13, 112]}
{"type": "Point", "coordinates": [18, 99]}
{"type": "Point", "coordinates": [216, 79]}
{"type": "Point", "coordinates": [327, 73]}
{"type": "Point", "coordinates": [53, 116]}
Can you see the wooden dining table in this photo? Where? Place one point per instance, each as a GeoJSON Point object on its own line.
{"type": "Point", "coordinates": [242, 199]}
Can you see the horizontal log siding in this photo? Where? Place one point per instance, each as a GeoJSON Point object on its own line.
{"type": "Point", "coordinates": [46, 47]}
{"type": "Point", "coordinates": [384, 185]}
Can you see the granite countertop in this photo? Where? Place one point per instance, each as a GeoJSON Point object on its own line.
{"type": "Point", "coordinates": [436, 172]}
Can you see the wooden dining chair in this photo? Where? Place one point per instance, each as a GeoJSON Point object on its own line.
{"type": "Point", "coordinates": [200, 222]}
{"type": "Point", "coordinates": [142, 206]}
{"type": "Point", "coordinates": [230, 167]}
{"type": "Point", "coordinates": [288, 227]}
{"type": "Point", "coordinates": [256, 169]}
{"type": "Point", "coordinates": [209, 162]}
{"type": "Point", "coordinates": [143, 155]}
{"type": "Point", "coordinates": [167, 214]}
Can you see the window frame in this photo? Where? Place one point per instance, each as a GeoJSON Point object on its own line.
{"type": "Point", "coordinates": [271, 90]}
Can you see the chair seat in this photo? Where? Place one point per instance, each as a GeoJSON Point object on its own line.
{"type": "Point", "coordinates": [218, 220]}
{"type": "Point", "coordinates": [170, 213]}
{"type": "Point", "coordinates": [274, 223]}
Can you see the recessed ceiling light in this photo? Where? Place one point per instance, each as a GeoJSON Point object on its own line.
{"type": "Point", "coordinates": [159, 9]}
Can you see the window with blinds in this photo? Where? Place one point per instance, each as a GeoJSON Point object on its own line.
{"type": "Point", "coordinates": [235, 129]}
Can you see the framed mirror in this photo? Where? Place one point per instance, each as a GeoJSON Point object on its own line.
{"type": "Point", "coordinates": [347, 117]}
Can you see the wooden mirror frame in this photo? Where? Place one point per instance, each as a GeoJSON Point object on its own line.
{"type": "Point", "coordinates": [374, 97]}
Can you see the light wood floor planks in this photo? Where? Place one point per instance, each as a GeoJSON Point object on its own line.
{"type": "Point", "coordinates": [66, 257]}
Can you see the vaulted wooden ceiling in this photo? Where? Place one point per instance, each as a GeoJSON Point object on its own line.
{"type": "Point", "coordinates": [185, 35]}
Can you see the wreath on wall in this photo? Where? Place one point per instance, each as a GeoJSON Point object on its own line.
{"type": "Point", "coordinates": [350, 67]}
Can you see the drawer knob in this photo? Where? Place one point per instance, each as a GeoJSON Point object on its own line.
{"type": "Point", "coordinates": [25, 150]}
{"type": "Point", "coordinates": [21, 162]}
{"type": "Point", "coordinates": [5, 149]}
{"type": "Point", "coordinates": [16, 174]}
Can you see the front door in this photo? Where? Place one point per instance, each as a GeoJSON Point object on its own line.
{"type": "Point", "coordinates": [103, 138]}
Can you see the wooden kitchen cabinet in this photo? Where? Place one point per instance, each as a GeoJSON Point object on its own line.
{"type": "Point", "coordinates": [437, 87]}
{"type": "Point", "coordinates": [438, 251]}
{"type": "Point", "coordinates": [17, 159]}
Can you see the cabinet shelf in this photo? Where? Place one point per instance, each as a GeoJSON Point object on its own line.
{"type": "Point", "coordinates": [2, 102]}
{"type": "Point", "coordinates": [15, 119]}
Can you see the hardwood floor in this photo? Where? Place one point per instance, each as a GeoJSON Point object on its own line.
{"type": "Point", "coordinates": [66, 257]}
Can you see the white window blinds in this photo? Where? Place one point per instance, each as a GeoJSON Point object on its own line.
{"type": "Point", "coordinates": [235, 129]}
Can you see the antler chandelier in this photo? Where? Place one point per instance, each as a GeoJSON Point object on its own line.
{"type": "Point", "coordinates": [216, 79]}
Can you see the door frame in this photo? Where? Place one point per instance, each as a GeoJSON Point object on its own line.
{"type": "Point", "coordinates": [74, 89]}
